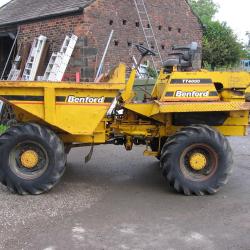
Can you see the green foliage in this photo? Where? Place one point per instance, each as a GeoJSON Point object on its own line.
{"type": "Point", "coordinates": [205, 9]}
{"type": "Point", "coordinates": [152, 73]}
{"type": "Point", "coordinates": [2, 129]}
{"type": "Point", "coordinates": [220, 45]}
{"type": "Point", "coordinates": [245, 53]}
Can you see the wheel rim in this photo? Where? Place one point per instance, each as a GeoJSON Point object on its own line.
{"type": "Point", "coordinates": [28, 160]}
{"type": "Point", "coordinates": [199, 162]}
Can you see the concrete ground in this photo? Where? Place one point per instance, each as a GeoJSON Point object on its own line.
{"type": "Point", "coordinates": [120, 201]}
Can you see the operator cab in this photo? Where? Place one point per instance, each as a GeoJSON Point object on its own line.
{"type": "Point", "coordinates": [183, 57]}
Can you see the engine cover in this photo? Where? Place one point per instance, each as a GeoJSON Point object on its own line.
{"type": "Point", "coordinates": [184, 90]}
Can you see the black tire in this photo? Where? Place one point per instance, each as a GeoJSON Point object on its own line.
{"type": "Point", "coordinates": [22, 144]}
{"type": "Point", "coordinates": [154, 145]}
{"type": "Point", "coordinates": [177, 155]}
{"type": "Point", "coordinates": [67, 148]}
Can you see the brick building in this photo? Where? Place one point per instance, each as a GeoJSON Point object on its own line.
{"type": "Point", "coordinates": [92, 21]}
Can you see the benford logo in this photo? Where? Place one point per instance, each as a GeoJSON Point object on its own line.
{"type": "Point", "coordinates": [88, 99]}
{"type": "Point", "coordinates": [181, 93]}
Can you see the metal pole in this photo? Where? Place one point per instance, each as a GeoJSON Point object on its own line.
{"type": "Point", "coordinates": [13, 46]}
{"type": "Point", "coordinates": [104, 55]}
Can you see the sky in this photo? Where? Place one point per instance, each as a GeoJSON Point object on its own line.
{"type": "Point", "coordinates": [2, 2]}
{"type": "Point", "coordinates": [234, 12]}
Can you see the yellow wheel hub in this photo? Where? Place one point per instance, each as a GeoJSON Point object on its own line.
{"type": "Point", "coordinates": [29, 159]}
{"type": "Point", "coordinates": [198, 161]}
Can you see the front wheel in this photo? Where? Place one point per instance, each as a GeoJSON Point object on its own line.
{"type": "Point", "coordinates": [197, 160]}
{"type": "Point", "coordinates": [32, 159]}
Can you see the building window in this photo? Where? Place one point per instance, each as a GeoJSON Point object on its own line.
{"type": "Point", "coordinates": [179, 30]}
{"type": "Point", "coordinates": [159, 27]}
{"type": "Point", "coordinates": [129, 44]}
{"type": "Point", "coordinates": [124, 22]}
{"type": "Point", "coordinates": [116, 42]}
{"type": "Point", "coordinates": [162, 46]}
{"type": "Point", "coordinates": [111, 22]}
{"type": "Point", "coordinates": [137, 24]}
{"type": "Point", "coordinates": [148, 26]}
{"type": "Point", "coordinates": [169, 28]}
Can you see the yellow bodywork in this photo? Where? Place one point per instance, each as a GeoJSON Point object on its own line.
{"type": "Point", "coordinates": [78, 112]}
{"type": "Point", "coordinates": [233, 87]}
{"type": "Point", "coordinates": [56, 104]}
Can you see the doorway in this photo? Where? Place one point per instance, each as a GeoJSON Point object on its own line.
{"type": "Point", "coordinates": [6, 42]}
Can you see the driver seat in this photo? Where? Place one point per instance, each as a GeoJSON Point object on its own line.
{"type": "Point", "coordinates": [184, 56]}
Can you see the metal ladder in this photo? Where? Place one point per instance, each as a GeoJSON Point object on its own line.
{"type": "Point", "coordinates": [15, 71]}
{"type": "Point", "coordinates": [34, 58]}
{"type": "Point", "coordinates": [48, 71]}
{"type": "Point", "coordinates": [148, 31]}
{"type": "Point", "coordinates": [59, 61]}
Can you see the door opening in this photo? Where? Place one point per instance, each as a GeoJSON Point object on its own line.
{"type": "Point", "coordinates": [6, 42]}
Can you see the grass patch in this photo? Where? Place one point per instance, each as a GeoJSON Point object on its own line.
{"type": "Point", "coordinates": [3, 128]}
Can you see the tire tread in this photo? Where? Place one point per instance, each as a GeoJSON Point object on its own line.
{"type": "Point", "coordinates": [169, 170]}
{"type": "Point", "coordinates": [32, 129]}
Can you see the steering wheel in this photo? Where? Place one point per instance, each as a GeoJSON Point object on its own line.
{"type": "Point", "coordinates": [145, 51]}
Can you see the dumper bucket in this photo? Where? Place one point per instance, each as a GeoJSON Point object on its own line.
{"type": "Point", "coordinates": [74, 108]}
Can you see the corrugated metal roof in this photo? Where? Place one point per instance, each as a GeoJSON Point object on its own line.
{"type": "Point", "coordinates": [23, 10]}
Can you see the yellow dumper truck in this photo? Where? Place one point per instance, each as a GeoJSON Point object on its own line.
{"type": "Point", "coordinates": [183, 122]}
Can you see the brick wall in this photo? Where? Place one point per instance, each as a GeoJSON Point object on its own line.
{"type": "Point", "coordinates": [55, 30]}
{"type": "Point", "coordinates": [173, 22]}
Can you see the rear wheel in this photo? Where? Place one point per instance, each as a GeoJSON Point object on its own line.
{"type": "Point", "coordinates": [34, 159]}
{"type": "Point", "coordinates": [197, 160]}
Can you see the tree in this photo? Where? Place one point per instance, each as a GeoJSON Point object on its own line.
{"type": "Point", "coordinates": [205, 9]}
{"type": "Point", "coordinates": [220, 45]}
{"type": "Point", "coordinates": [245, 53]}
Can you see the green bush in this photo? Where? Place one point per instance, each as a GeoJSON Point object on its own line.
{"type": "Point", "coordinates": [152, 73]}
{"type": "Point", "coordinates": [3, 128]}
